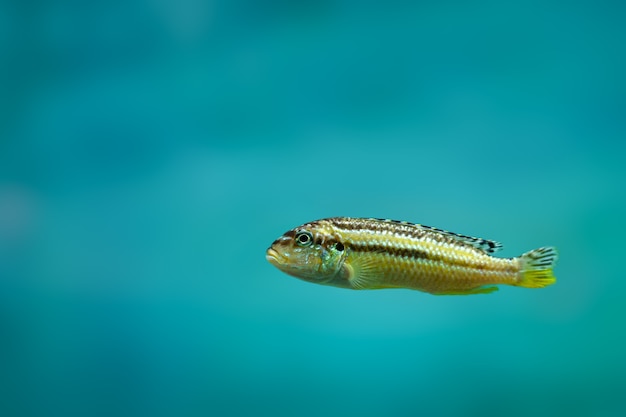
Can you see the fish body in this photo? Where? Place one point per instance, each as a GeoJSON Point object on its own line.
{"type": "Point", "coordinates": [358, 253]}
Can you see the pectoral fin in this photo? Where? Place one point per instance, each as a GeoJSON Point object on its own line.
{"type": "Point", "coordinates": [363, 271]}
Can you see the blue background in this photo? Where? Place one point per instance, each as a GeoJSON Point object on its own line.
{"type": "Point", "coordinates": [151, 150]}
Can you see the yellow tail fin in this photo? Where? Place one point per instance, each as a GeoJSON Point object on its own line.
{"type": "Point", "coordinates": [537, 268]}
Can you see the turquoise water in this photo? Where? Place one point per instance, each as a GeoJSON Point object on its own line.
{"type": "Point", "coordinates": [151, 151]}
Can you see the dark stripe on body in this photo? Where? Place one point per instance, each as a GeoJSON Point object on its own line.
{"type": "Point", "coordinates": [396, 227]}
{"type": "Point", "coordinates": [393, 251]}
{"type": "Point", "coordinates": [417, 254]}
{"type": "Point", "coordinates": [420, 254]}
{"type": "Point", "coordinates": [410, 230]}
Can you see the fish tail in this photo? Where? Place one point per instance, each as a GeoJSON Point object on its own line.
{"type": "Point", "coordinates": [536, 268]}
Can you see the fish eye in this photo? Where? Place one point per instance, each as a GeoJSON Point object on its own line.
{"type": "Point", "coordinates": [339, 247]}
{"type": "Point", "coordinates": [304, 238]}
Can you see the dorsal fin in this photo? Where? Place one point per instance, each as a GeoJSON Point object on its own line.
{"type": "Point", "coordinates": [487, 246]}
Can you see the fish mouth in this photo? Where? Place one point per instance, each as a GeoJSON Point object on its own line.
{"type": "Point", "coordinates": [273, 257]}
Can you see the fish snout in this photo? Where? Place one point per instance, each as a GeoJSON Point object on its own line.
{"type": "Point", "coordinates": [273, 256]}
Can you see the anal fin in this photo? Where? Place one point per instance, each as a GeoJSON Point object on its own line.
{"type": "Point", "coordinates": [479, 290]}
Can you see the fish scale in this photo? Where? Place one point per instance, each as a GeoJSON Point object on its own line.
{"type": "Point", "coordinates": [370, 253]}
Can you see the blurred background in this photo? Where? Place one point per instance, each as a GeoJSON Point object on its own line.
{"type": "Point", "coordinates": [151, 150]}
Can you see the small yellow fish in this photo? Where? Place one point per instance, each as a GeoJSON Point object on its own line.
{"type": "Point", "coordinates": [378, 253]}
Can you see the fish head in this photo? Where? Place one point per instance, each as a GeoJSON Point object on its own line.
{"type": "Point", "coordinates": [312, 252]}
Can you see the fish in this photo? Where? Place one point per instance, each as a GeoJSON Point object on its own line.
{"type": "Point", "coordinates": [372, 253]}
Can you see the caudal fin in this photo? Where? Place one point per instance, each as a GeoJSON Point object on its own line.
{"type": "Point", "coordinates": [537, 268]}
